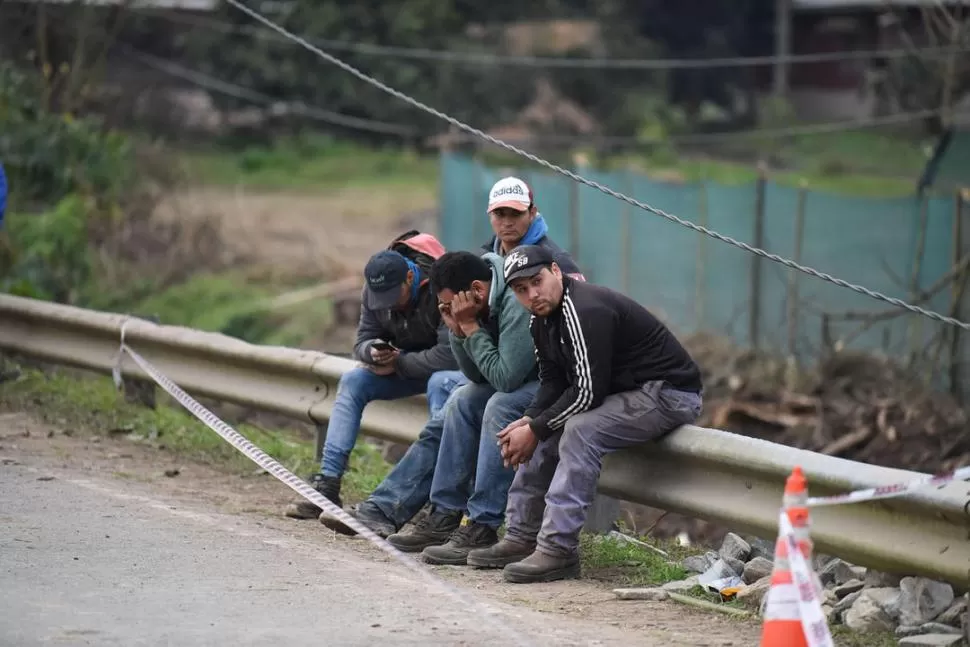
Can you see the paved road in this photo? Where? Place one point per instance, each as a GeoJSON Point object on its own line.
{"type": "Point", "coordinates": [87, 561]}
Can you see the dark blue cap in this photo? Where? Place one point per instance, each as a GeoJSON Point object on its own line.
{"type": "Point", "coordinates": [385, 272]}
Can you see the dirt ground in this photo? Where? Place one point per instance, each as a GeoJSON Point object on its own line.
{"type": "Point", "coordinates": [325, 235]}
{"type": "Point", "coordinates": [258, 499]}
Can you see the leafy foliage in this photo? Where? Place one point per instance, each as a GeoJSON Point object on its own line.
{"type": "Point", "coordinates": [64, 174]}
{"type": "Point", "coordinates": [52, 258]}
{"type": "Point", "coordinates": [49, 155]}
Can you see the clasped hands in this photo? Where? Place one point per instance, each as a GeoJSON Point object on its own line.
{"type": "Point", "coordinates": [518, 442]}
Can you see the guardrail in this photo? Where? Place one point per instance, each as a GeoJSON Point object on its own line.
{"type": "Point", "coordinates": [706, 473]}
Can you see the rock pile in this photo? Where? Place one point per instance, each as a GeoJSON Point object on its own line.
{"type": "Point", "coordinates": [920, 611]}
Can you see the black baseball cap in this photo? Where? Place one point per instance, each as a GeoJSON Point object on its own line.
{"type": "Point", "coordinates": [525, 261]}
{"type": "Point", "coordinates": [385, 272]}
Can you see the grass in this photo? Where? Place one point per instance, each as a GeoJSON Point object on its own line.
{"type": "Point", "coordinates": [845, 637]}
{"type": "Point", "coordinates": [234, 304]}
{"type": "Point", "coordinates": [84, 404]}
{"type": "Point", "coordinates": [865, 164]}
{"type": "Point", "coordinates": [631, 565]}
{"type": "Point", "coordinates": [312, 163]}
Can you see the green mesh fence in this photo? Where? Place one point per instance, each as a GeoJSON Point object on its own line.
{"type": "Point", "coordinates": [696, 283]}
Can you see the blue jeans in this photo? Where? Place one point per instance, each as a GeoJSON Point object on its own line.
{"type": "Point", "coordinates": [469, 475]}
{"type": "Point", "coordinates": [441, 385]}
{"type": "Point", "coordinates": [358, 387]}
{"type": "Point", "coordinates": [405, 490]}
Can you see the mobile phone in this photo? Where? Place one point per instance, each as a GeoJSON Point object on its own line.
{"type": "Point", "coordinates": [382, 345]}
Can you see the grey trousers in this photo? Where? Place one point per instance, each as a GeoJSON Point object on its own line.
{"type": "Point", "coordinates": [550, 494]}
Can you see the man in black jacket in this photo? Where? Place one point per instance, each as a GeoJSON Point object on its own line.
{"type": "Point", "coordinates": [611, 376]}
{"type": "Point", "coordinates": [401, 342]}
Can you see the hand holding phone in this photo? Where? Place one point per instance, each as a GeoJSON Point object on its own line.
{"type": "Point", "coordinates": [383, 352]}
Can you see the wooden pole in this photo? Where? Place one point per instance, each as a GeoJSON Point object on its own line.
{"type": "Point", "coordinates": [793, 275]}
{"type": "Point", "coordinates": [626, 242]}
{"type": "Point", "coordinates": [700, 283]}
{"type": "Point", "coordinates": [916, 323]}
{"type": "Point", "coordinates": [759, 237]}
{"type": "Point", "coordinates": [782, 46]}
{"type": "Point", "coordinates": [959, 286]}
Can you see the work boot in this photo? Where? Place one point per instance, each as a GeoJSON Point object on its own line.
{"type": "Point", "coordinates": [499, 555]}
{"type": "Point", "coordinates": [433, 530]}
{"type": "Point", "coordinates": [468, 536]}
{"type": "Point", "coordinates": [367, 514]}
{"type": "Point", "coordinates": [540, 567]}
{"type": "Point", "coordinates": [328, 486]}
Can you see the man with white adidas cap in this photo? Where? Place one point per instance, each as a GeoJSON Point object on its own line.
{"type": "Point", "coordinates": [516, 220]}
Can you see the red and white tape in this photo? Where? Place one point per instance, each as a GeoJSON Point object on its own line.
{"type": "Point", "coordinates": [300, 486]}
{"type": "Point", "coordinates": [894, 490]}
{"type": "Point", "coordinates": [814, 624]}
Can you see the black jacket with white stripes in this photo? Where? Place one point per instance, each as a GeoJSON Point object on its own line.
{"type": "Point", "coordinates": [596, 343]}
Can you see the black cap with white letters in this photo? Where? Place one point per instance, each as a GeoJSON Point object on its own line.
{"type": "Point", "coordinates": [525, 261]}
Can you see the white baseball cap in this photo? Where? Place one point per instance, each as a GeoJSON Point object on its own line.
{"type": "Point", "coordinates": [509, 192]}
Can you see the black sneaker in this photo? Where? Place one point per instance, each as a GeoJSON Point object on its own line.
{"type": "Point", "coordinates": [366, 513]}
{"type": "Point", "coordinates": [328, 486]}
{"type": "Point", "coordinates": [432, 530]}
{"type": "Point", "coordinates": [469, 536]}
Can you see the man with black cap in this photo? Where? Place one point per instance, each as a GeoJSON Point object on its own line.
{"type": "Point", "coordinates": [611, 376]}
{"type": "Point", "coordinates": [401, 343]}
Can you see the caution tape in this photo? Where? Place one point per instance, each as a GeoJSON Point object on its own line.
{"type": "Point", "coordinates": [894, 490]}
{"type": "Point", "coordinates": [813, 621]}
{"type": "Point", "coordinates": [300, 486]}
{"type": "Point", "coordinates": [814, 624]}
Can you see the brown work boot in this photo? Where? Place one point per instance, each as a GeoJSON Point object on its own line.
{"type": "Point", "coordinates": [468, 536]}
{"type": "Point", "coordinates": [328, 486]}
{"type": "Point", "coordinates": [501, 554]}
{"type": "Point", "coordinates": [433, 530]}
{"type": "Point", "coordinates": [540, 567]}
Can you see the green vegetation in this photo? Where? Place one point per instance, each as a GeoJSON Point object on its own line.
{"type": "Point", "coordinates": [609, 557]}
{"type": "Point", "coordinates": [311, 163]}
{"type": "Point", "coordinates": [845, 637]}
{"type": "Point", "coordinates": [85, 404]}
{"type": "Point", "coordinates": [861, 164]}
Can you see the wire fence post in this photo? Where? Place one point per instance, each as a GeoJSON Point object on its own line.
{"type": "Point", "coordinates": [626, 235]}
{"type": "Point", "coordinates": [754, 322]}
{"type": "Point", "coordinates": [700, 267]}
{"type": "Point", "coordinates": [960, 302]}
{"type": "Point", "coordinates": [794, 277]}
{"type": "Point", "coordinates": [574, 217]}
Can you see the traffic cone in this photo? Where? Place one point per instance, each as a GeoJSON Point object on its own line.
{"type": "Point", "coordinates": [782, 626]}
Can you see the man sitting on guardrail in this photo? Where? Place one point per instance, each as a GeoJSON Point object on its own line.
{"type": "Point", "coordinates": [455, 461]}
{"type": "Point", "coordinates": [515, 220]}
{"type": "Point", "coordinates": [611, 376]}
{"type": "Point", "coordinates": [401, 343]}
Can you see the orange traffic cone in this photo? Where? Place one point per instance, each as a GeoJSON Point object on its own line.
{"type": "Point", "coordinates": [782, 626]}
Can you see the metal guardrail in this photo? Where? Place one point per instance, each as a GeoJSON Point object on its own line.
{"type": "Point", "coordinates": [706, 473]}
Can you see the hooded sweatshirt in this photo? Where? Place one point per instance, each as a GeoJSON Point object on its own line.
{"type": "Point", "coordinates": [501, 352]}
{"type": "Point", "coordinates": [537, 234]}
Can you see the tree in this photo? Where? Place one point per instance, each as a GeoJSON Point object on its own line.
{"type": "Point", "coordinates": [936, 74]}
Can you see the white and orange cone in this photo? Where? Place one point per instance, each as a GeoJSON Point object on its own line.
{"type": "Point", "coordinates": [782, 626]}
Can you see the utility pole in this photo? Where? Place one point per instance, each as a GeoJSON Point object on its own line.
{"type": "Point", "coordinates": [782, 46]}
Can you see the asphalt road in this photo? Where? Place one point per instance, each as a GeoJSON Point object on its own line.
{"type": "Point", "coordinates": [93, 561]}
